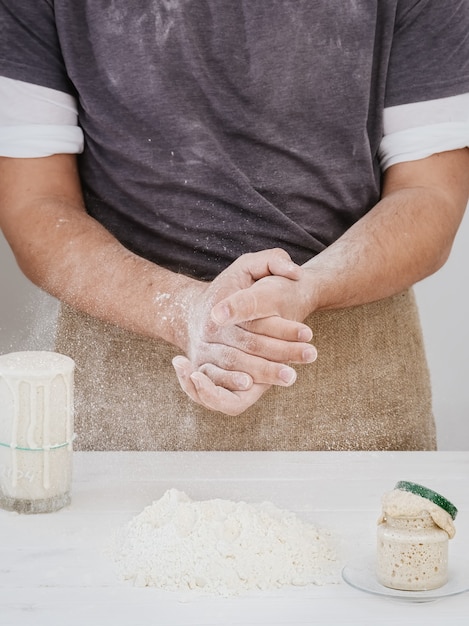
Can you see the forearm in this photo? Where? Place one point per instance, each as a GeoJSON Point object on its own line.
{"type": "Point", "coordinates": [71, 256]}
{"type": "Point", "coordinates": [405, 238]}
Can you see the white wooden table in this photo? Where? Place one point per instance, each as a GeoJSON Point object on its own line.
{"type": "Point", "coordinates": [53, 570]}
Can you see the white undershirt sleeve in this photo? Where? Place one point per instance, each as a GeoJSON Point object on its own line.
{"type": "Point", "coordinates": [418, 130]}
{"type": "Point", "coordinates": [36, 121]}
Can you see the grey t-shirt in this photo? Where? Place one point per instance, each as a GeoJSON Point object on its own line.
{"type": "Point", "coordinates": [217, 127]}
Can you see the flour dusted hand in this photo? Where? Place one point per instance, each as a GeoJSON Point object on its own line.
{"type": "Point", "coordinates": [228, 367]}
{"type": "Point", "coordinates": [221, 547]}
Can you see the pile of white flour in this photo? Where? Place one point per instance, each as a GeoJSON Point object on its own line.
{"type": "Point", "coordinates": [221, 547]}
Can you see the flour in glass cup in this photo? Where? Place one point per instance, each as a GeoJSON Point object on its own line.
{"type": "Point", "coordinates": [36, 431]}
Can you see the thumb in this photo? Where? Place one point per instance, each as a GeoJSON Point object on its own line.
{"type": "Point", "coordinates": [243, 306]}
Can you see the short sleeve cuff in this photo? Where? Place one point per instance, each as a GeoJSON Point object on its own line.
{"type": "Point", "coordinates": [40, 140]}
{"type": "Point", "coordinates": [421, 142]}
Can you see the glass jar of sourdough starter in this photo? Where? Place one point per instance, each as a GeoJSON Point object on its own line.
{"type": "Point", "coordinates": [413, 533]}
{"type": "Point", "coordinates": [36, 431]}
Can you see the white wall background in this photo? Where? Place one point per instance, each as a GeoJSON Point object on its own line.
{"type": "Point", "coordinates": [444, 308]}
{"type": "Point", "coordinates": [27, 318]}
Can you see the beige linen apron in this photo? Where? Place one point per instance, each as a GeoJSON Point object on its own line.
{"type": "Point", "coordinates": [368, 390]}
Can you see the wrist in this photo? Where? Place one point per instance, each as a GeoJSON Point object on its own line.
{"type": "Point", "coordinates": [309, 290]}
{"type": "Point", "coordinates": [173, 309]}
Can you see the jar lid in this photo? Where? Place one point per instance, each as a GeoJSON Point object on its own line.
{"type": "Point", "coordinates": [433, 496]}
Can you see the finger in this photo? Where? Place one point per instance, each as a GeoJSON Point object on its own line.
{"type": "Point", "coordinates": [240, 347]}
{"type": "Point", "coordinates": [273, 262]}
{"type": "Point", "coordinates": [279, 328]}
{"type": "Point", "coordinates": [262, 371]}
{"type": "Point", "coordinates": [264, 359]}
{"type": "Point", "coordinates": [184, 368]}
{"type": "Point", "coordinates": [219, 399]}
{"type": "Point", "coordinates": [234, 381]}
{"type": "Point", "coordinates": [204, 392]}
{"type": "Point", "coordinates": [254, 302]}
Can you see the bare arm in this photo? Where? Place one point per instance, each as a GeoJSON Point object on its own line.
{"type": "Point", "coordinates": [407, 236]}
{"type": "Point", "coordinates": [69, 254]}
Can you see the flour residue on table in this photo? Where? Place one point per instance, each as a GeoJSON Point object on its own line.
{"type": "Point", "coordinates": [221, 547]}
